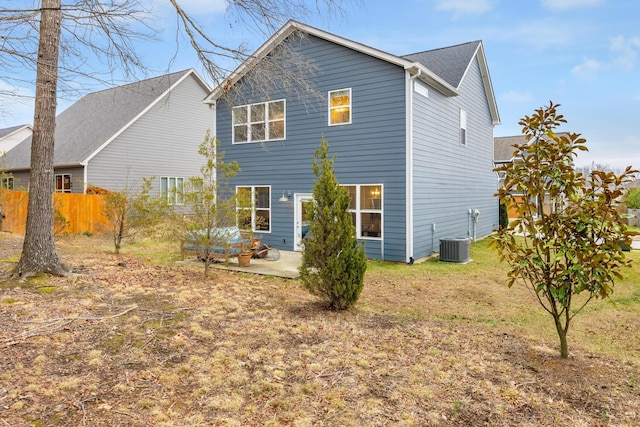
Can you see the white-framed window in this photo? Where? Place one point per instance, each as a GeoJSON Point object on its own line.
{"type": "Point", "coordinates": [463, 127]}
{"type": "Point", "coordinates": [63, 183]}
{"type": "Point", "coordinates": [7, 182]}
{"type": "Point", "coordinates": [340, 107]}
{"type": "Point", "coordinates": [264, 121]}
{"type": "Point", "coordinates": [366, 209]}
{"type": "Point", "coordinates": [172, 188]}
{"type": "Point", "coordinates": [257, 219]}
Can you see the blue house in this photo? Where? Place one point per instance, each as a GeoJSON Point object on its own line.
{"type": "Point", "coordinates": [413, 136]}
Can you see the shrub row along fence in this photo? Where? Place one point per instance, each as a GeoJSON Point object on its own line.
{"type": "Point", "coordinates": [73, 213]}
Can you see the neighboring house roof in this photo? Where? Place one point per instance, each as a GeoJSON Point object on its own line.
{"type": "Point", "coordinates": [6, 132]}
{"type": "Point", "coordinates": [443, 69]}
{"type": "Point", "coordinates": [12, 136]}
{"type": "Point", "coordinates": [634, 184]}
{"type": "Point", "coordinates": [503, 147]}
{"type": "Point", "coordinates": [91, 123]}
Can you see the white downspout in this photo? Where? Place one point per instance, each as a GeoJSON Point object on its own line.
{"type": "Point", "coordinates": [409, 164]}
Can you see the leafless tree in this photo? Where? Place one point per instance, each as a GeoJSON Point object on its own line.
{"type": "Point", "coordinates": [59, 40]}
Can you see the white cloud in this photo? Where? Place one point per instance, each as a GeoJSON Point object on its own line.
{"type": "Point", "coordinates": [626, 51]}
{"type": "Point", "coordinates": [588, 69]}
{"type": "Point", "coordinates": [515, 97]}
{"type": "Point", "coordinates": [464, 7]}
{"type": "Point", "coordinates": [557, 5]}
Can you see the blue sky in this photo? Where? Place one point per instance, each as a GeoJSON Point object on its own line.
{"type": "Point", "coordinates": [582, 54]}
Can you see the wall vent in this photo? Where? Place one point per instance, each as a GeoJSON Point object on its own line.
{"type": "Point", "coordinates": [455, 250]}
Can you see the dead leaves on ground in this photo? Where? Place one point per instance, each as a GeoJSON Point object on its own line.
{"type": "Point", "coordinates": [130, 343]}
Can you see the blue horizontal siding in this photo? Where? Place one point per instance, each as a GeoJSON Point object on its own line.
{"type": "Point", "coordinates": [450, 179]}
{"type": "Point", "coordinates": [370, 150]}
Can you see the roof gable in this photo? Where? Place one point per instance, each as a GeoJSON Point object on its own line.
{"type": "Point", "coordinates": [443, 69]}
{"type": "Point", "coordinates": [4, 133]}
{"type": "Point", "coordinates": [503, 147]}
{"type": "Point", "coordinates": [97, 118]}
{"type": "Point", "coordinates": [450, 63]}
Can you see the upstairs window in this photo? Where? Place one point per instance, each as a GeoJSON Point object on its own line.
{"type": "Point", "coordinates": [463, 127]}
{"type": "Point", "coordinates": [63, 183]}
{"type": "Point", "coordinates": [340, 107]}
{"type": "Point", "coordinates": [264, 121]}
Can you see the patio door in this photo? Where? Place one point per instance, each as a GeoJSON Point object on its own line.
{"type": "Point", "coordinates": [302, 202]}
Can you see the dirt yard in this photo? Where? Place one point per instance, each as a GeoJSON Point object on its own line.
{"type": "Point", "coordinates": [129, 342]}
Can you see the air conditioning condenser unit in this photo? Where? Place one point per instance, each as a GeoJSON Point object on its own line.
{"type": "Point", "coordinates": [455, 250]}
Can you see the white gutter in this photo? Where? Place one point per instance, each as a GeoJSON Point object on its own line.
{"type": "Point", "coordinates": [410, 81]}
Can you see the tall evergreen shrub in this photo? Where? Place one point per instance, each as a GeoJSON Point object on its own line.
{"type": "Point", "coordinates": [333, 262]}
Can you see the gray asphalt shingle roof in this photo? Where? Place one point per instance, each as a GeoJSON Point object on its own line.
{"type": "Point", "coordinates": [95, 118]}
{"type": "Point", "coordinates": [503, 147]}
{"type": "Point", "coordinates": [449, 63]}
{"type": "Point", "coordinates": [7, 131]}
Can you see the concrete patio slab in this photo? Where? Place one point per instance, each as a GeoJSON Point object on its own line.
{"type": "Point", "coordinates": [286, 266]}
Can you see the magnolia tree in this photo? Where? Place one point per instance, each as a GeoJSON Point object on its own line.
{"type": "Point", "coordinates": [567, 239]}
{"type": "Point", "coordinates": [333, 262]}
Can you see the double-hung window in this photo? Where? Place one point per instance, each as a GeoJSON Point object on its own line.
{"type": "Point", "coordinates": [254, 208]}
{"type": "Point", "coordinates": [172, 188]}
{"type": "Point", "coordinates": [340, 107]}
{"type": "Point", "coordinates": [264, 121]}
{"type": "Point", "coordinates": [63, 183]}
{"type": "Point", "coordinates": [366, 210]}
{"type": "Point", "coordinates": [7, 182]}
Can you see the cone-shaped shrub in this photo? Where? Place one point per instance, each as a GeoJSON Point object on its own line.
{"type": "Point", "coordinates": [333, 262]}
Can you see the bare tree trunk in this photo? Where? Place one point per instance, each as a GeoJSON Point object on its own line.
{"type": "Point", "coordinates": [38, 251]}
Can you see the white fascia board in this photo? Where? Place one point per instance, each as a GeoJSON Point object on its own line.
{"type": "Point", "coordinates": [86, 161]}
{"type": "Point", "coordinates": [488, 86]}
{"type": "Point", "coordinates": [427, 76]}
{"type": "Point", "coordinates": [430, 78]}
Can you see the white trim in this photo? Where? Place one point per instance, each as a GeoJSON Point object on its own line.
{"type": "Point", "coordinates": [359, 211]}
{"type": "Point", "coordinates": [255, 208]}
{"type": "Point", "coordinates": [266, 122]}
{"type": "Point", "coordinates": [426, 75]}
{"type": "Point", "coordinates": [463, 137]}
{"type": "Point", "coordinates": [55, 183]}
{"type": "Point", "coordinates": [86, 161]}
{"type": "Point", "coordinates": [297, 213]}
{"type": "Point", "coordinates": [488, 86]}
{"type": "Point", "coordinates": [409, 81]}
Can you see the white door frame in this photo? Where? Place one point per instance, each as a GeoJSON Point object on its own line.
{"type": "Point", "coordinates": [299, 198]}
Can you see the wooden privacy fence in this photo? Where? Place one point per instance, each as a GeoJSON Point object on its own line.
{"type": "Point", "coordinates": [73, 213]}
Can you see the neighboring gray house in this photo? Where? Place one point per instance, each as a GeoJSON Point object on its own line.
{"type": "Point", "coordinates": [413, 136]}
{"type": "Point", "coordinates": [113, 138]}
{"type": "Point", "coordinates": [9, 138]}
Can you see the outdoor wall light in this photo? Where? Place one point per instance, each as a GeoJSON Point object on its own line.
{"type": "Point", "coordinates": [286, 195]}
